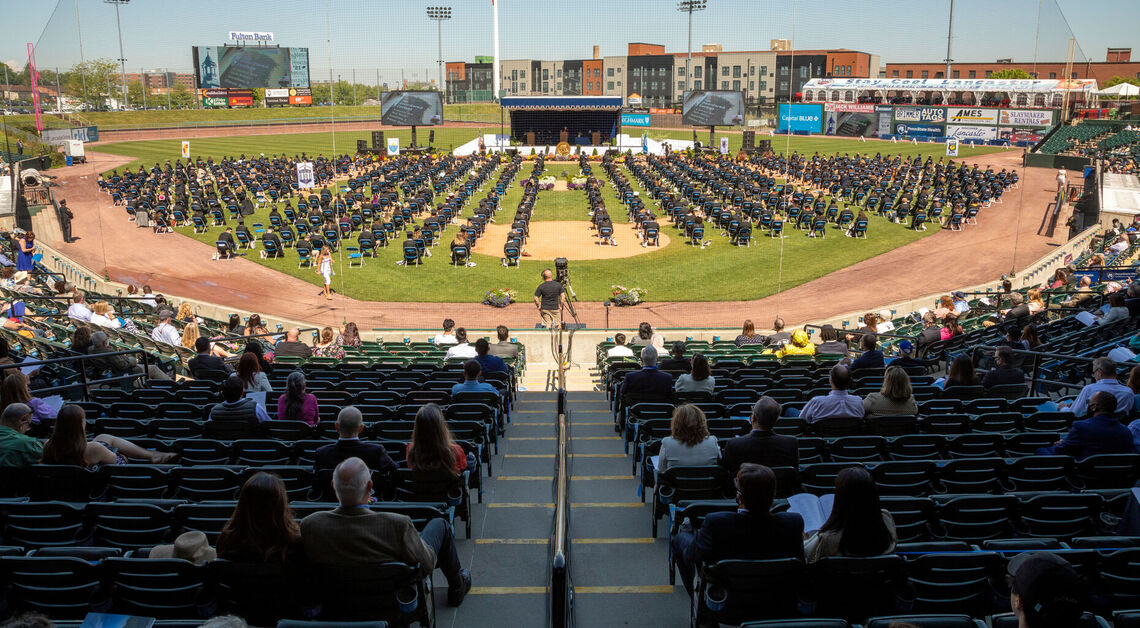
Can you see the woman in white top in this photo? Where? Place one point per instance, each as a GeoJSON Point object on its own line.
{"type": "Point", "coordinates": [324, 269]}
{"type": "Point", "coordinates": [103, 316]}
{"type": "Point", "coordinates": [699, 380]}
{"type": "Point", "coordinates": [690, 443]}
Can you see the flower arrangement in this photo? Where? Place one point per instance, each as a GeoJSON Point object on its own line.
{"type": "Point", "coordinates": [501, 297]}
{"type": "Point", "coordinates": [627, 296]}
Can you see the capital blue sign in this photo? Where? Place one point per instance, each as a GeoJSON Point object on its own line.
{"type": "Point", "coordinates": [801, 118]}
{"type": "Point", "coordinates": [919, 130]}
{"type": "Point", "coordinates": [635, 119]}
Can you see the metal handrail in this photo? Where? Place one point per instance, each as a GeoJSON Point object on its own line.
{"type": "Point", "coordinates": [84, 383]}
{"type": "Point", "coordinates": [561, 589]}
{"type": "Point", "coordinates": [267, 334]}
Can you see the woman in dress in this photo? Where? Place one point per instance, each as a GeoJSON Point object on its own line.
{"type": "Point", "coordinates": [748, 335]}
{"type": "Point", "coordinates": [325, 269]}
{"type": "Point", "coordinates": [26, 245]}
{"type": "Point", "coordinates": [350, 337]}
{"type": "Point", "coordinates": [69, 445]}
{"type": "Point", "coordinates": [327, 346]}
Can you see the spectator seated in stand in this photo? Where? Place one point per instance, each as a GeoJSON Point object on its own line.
{"type": "Point", "coordinates": [699, 380]}
{"type": "Point", "coordinates": [689, 443]}
{"type": "Point", "coordinates": [14, 389]}
{"type": "Point", "coordinates": [649, 382]}
{"type": "Point", "coordinates": [762, 445]}
{"type": "Point", "coordinates": [349, 425]}
{"type": "Point", "coordinates": [17, 449]}
{"type": "Point", "coordinates": [895, 398]}
{"type": "Point", "coordinates": [677, 361]}
{"type": "Point", "coordinates": [446, 337]}
{"type": "Point", "coordinates": [432, 448]}
{"type": "Point", "coordinates": [296, 404]}
{"type": "Point", "coordinates": [462, 348]}
{"type": "Point", "coordinates": [262, 528]}
{"type": "Point", "coordinates": [829, 342]}
{"type": "Point", "coordinates": [165, 331]}
{"type": "Point", "coordinates": [836, 404]}
{"type": "Point", "coordinates": [69, 445]}
{"type": "Point", "coordinates": [857, 525]}
{"type": "Point", "coordinates": [1045, 591]}
{"type": "Point", "coordinates": [352, 534]}
{"type": "Point", "coordinates": [620, 349]}
{"type": "Point", "coordinates": [1005, 372]}
{"type": "Point", "coordinates": [801, 344]}
{"type": "Point", "coordinates": [1101, 433]}
{"type": "Point", "coordinates": [471, 374]}
{"type": "Point", "coordinates": [779, 338]}
{"type": "Point", "coordinates": [748, 335]}
{"type": "Point", "coordinates": [752, 532]}
{"type": "Point", "coordinates": [78, 309]}
{"type": "Point", "coordinates": [236, 408]}
{"type": "Point", "coordinates": [292, 346]}
{"type": "Point", "coordinates": [504, 348]}
{"type": "Point", "coordinates": [871, 357]}
{"type": "Point", "coordinates": [906, 357]}
{"type": "Point", "coordinates": [205, 360]}
{"type": "Point", "coordinates": [487, 362]}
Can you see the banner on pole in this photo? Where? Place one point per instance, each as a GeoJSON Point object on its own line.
{"type": "Point", "coordinates": [952, 147]}
{"type": "Point", "coordinates": [393, 146]}
{"type": "Point", "coordinates": [305, 178]}
{"type": "Point", "coordinates": [185, 149]}
{"type": "Point", "coordinates": [724, 146]}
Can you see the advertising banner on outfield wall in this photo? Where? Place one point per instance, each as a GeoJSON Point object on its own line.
{"type": "Point", "coordinates": [301, 96]}
{"type": "Point", "coordinates": [971, 132]}
{"type": "Point", "coordinates": [58, 137]}
{"type": "Point", "coordinates": [1020, 135]}
{"type": "Point", "coordinates": [933, 115]}
{"type": "Point", "coordinates": [884, 112]}
{"type": "Point", "coordinates": [240, 97]}
{"type": "Point", "coordinates": [801, 118]}
{"type": "Point", "coordinates": [919, 130]}
{"type": "Point", "coordinates": [1026, 117]}
{"type": "Point", "coordinates": [276, 97]}
{"type": "Point", "coordinates": [850, 107]}
{"type": "Point", "coordinates": [971, 115]}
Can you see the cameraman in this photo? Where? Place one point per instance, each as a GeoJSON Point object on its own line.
{"type": "Point", "coordinates": [549, 297]}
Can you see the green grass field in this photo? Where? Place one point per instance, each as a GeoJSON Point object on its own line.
{"type": "Point", "coordinates": [678, 272]}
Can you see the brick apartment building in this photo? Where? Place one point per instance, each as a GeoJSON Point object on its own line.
{"type": "Point", "coordinates": [658, 76]}
{"type": "Point", "coordinates": [1118, 62]}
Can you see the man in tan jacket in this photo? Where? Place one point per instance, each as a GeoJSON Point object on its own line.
{"type": "Point", "coordinates": [355, 535]}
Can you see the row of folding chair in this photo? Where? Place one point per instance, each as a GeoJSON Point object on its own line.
{"type": "Point", "coordinates": [66, 584]}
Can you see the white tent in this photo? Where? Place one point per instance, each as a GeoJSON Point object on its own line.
{"type": "Point", "coordinates": [1120, 89]}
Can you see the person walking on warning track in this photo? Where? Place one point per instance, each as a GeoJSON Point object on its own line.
{"type": "Point", "coordinates": [549, 297]}
{"type": "Point", "coordinates": [325, 270]}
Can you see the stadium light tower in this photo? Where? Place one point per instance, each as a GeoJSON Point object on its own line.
{"type": "Point", "coordinates": [439, 14]}
{"type": "Point", "coordinates": [122, 58]}
{"type": "Point", "coordinates": [688, 6]}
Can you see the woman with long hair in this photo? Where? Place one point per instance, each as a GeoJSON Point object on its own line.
{"type": "Point", "coordinates": [254, 326]}
{"type": "Point", "coordinates": [190, 335]}
{"type": "Point", "coordinates": [296, 404]}
{"type": "Point", "coordinates": [185, 313]}
{"type": "Point", "coordinates": [350, 337]}
{"type": "Point", "coordinates": [327, 346]}
{"type": "Point", "coordinates": [858, 526]}
{"type": "Point", "coordinates": [950, 327]}
{"type": "Point", "coordinates": [748, 335]}
{"type": "Point", "coordinates": [256, 349]}
{"type": "Point", "coordinates": [1060, 279]}
{"type": "Point", "coordinates": [14, 389]}
{"type": "Point", "coordinates": [103, 315]}
{"type": "Point", "coordinates": [644, 335]}
{"type": "Point", "coordinates": [81, 339]}
{"type": "Point", "coordinates": [262, 528]}
{"type": "Point", "coordinates": [689, 442]}
{"type": "Point", "coordinates": [432, 448]}
{"type": "Point", "coordinates": [325, 269]}
{"type": "Point", "coordinates": [26, 249]}
{"type": "Point", "coordinates": [1029, 337]}
{"type": "Point", "coordinates": [699, 380]}
{"type": "Point", "coordinates": [894, 398]}
{"type": "Point", "coordinates": [252, 378]}
{"type": "Point", "coordinates": [961, 373]}
{"type": "Point", "coordinates": [69, 445]}
{"type": "Point", "coordinates": [234, 327]}
{"type": "Point", "coordinates": [1034, 300]}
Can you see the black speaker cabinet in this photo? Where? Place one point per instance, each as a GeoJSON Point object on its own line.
{"type": "Point", "coordinates": [764, 146]}
{"type": "Point", "coordinates": [377, 139]}
{"type": "Point", "coordinates": [431, 136]}
{"type": "Point", "coordinates": [361, 146]}
{"type": "Point", "coordinates": [748, 140]}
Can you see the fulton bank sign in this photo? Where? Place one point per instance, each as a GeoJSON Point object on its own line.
{"type": "Point", "coordinates": [244, 37]}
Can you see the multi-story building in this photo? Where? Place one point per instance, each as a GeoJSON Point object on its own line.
{"type": "Point", "coordinates": [1118, 62]}
{"type": "Point", "coordinates": [469, 82]}
{"type": "Point", "coordinates": [659, 77]}
{"type": "Point", "coordinates": [159, 82]}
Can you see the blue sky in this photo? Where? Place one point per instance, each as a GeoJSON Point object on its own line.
{"type": "Point", "coordinates": [388, 36]}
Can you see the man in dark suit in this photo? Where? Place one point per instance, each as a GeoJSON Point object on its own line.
{"type": "Point", "coordinates": [761, 445]}
{"type": "Point", "coordinates": [1099, 434]}
{"type": "Point", "coordinates": [206, 360]}
{"type": "Point", "coordinates": [353, 534]}
{"type": "Point", "coordinates": [751, 532]}
{"type": "Point", "coordinates": [649, 382]}
{"type": "Point", "coordinates": [349, 425]}
{"type": "Point", "coordinates": [1005, 372]}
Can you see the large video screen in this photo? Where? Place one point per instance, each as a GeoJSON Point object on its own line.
{"type": "Point", "coordinates": [712, 108]}
{"type": "Point", "coordinates": [250, 67]}
{"type": "Point", "coordinates": [411, 108]}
